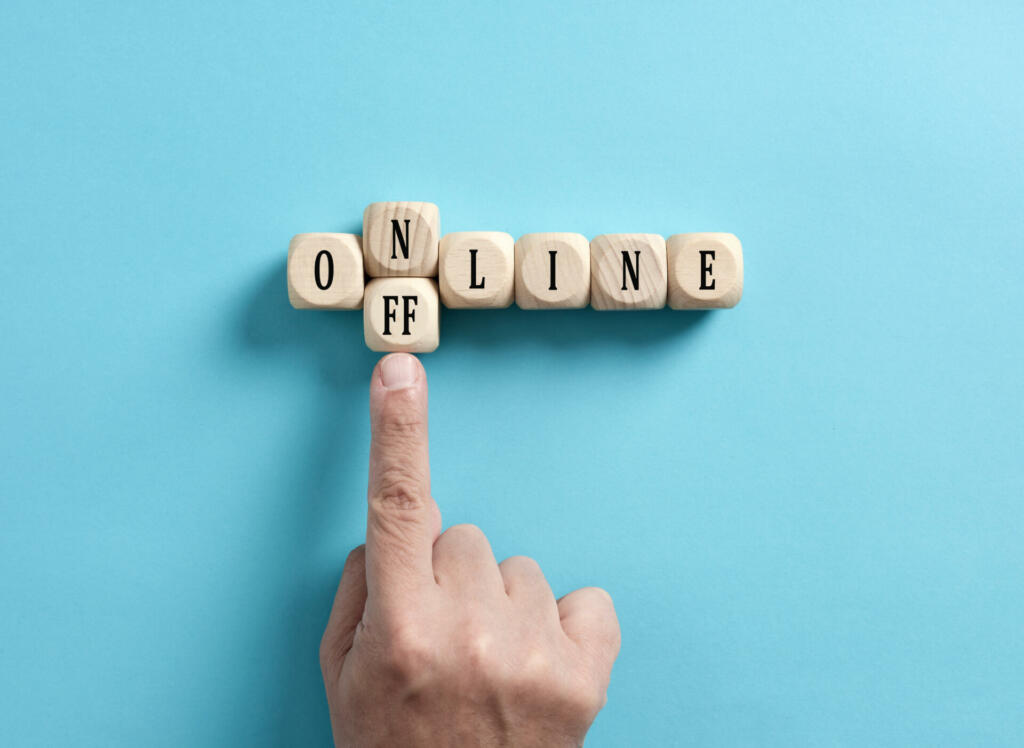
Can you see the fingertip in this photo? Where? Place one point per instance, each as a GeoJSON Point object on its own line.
{"type": "Point", "coordinates": [398, 398]}
{"type": "Point", "coordinates": [398, 395]}
{"type": "Point", "coordinates": [398, 371]}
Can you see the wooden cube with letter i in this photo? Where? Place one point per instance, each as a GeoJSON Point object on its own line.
{"type": "Point", "coordinates": [552, 271]}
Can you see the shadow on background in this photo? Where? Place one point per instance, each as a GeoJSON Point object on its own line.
{"type": "Point", "coordinates": [333, 343]}
{"type": "Point", "coordinates": [324, 450]}
{"type": "Point", "coordinates": [564, 329]}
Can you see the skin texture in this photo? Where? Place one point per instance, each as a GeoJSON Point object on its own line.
{"type": "Point", "coordinates": [430, 641]}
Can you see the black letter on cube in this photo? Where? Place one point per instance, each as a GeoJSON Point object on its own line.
{"type": "Point", "coordinates": [410, 314]}
{"type": "Point", "coordinates": [705, 269]}
{"type": "Point", "coordinates": [472, 270]}
{"type": "Point", "coordinates": [403, 239]}
{"type": "Point", "coordinates": [634, 272]}
{"type": "Point", "coordinates": [389, 313]}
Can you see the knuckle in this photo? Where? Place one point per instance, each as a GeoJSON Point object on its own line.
{"type": "Point", "coordinates": [584, 699]}
{"type": "Point", "coordinates": [466, 533]}
{"type": "Point", "coordinates": [522, 564]}
{"type": "Point", "coordinates": [407, 654]}
{"type": "Point", "coordinates": [401, 422]}
{"type": "Point", "coordinates": [398, 487]}
{"type": "Point", "coordinates": [481, 651]}
{"type": "Point", "coordinates": [612, 632]}
{"type": "Point", "coordinates": [393, 525]}
{"type": "Point", "coordinates": [614, 637]}
{"type": "Point", "coordinates": [524, 573]}
{"type": "Point", "coordinates": [599, 597]}
{"type": "Point", "coordinates": [329, 658]}
{"type": "Point", "coordinates": [537, 670]}
{"type": "Point", "coordinates": [589, 702]}
{"type": "Point", "coordinates": [606, 621]}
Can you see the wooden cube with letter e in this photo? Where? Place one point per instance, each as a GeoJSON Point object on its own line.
{"type": "Point", "coordinates": [705, 271]}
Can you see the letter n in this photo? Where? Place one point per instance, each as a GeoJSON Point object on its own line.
{"type": "Point", "coordinates": [634, 272]}
{"type": "Point", "coordinates": [402, 239]}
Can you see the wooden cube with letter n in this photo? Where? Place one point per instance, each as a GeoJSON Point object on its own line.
{"type": "Point", "coordinates": [628, 271]}
{"type": "Point", "coordinates": [401, 314]}
{"type": "Point", "coordinates": [401, 238]}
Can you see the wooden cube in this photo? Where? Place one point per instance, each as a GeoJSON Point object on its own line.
{"type": "Point", "coordinates": [401, 239]}
{"type": "Point", "coordinates": [477, 270]}
{"type": "Point", "coordinates": [552, 271]}
{"type": "Point", "coordinates": [705, 271]}
{"type": "Point", "coordinates": [628, 271]}
{"type": "Point", "coordinates": [325, 271]}
{"type": "Point", "coordinates": [402, 314]}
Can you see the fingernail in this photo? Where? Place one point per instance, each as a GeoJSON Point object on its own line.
{"type": "Point", "coordinates": [398, 371]}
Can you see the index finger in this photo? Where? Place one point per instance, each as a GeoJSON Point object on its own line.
{"type": "Point", "coordinates": [402, 520]}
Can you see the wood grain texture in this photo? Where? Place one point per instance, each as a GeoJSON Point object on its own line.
{"type": "Point", "coordinates": [628, 271]}
{"type": "Point", "coordinates": [418, 226]}
{"type": "Point", "coordinates": [705, 271]}
{"type": "Point", "coordinates": [569, 285]}
{"type": "Point", "coordinates": [325, 271]}
{"type": "Point", "coordinates": [477, 270]}
{"type": "Point", "coordinates": [402, 314]}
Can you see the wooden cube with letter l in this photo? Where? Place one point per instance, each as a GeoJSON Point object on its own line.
{"type": "Point", "coordinates": [402, 314]}
{"type": "Point", "coordinates": [477, 270]}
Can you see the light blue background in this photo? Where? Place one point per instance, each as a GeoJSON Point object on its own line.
{"type": "Point", "coordinates": [809, 509]}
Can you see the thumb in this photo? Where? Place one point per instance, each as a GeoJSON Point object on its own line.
{"type": "Point", "coordinates": [346, 613]}
{"type": "Point", "coordinates": [402, 519]}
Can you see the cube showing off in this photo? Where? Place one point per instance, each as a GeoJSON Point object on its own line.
{"type": "Point", "coordinates": [705, 271]}
{"type": "Point", "coordinates": [628, 271]}
{"type": "Point", "coordinates": [402, 314]}
{"type": "Point", "coordinates": [477, 270]}
{"type": "Point", "coordinates": [325, 271]}
{"type": "Point", "coordinates": [552, 271]}
{"type": "Point", "coordinates": [401, 239]}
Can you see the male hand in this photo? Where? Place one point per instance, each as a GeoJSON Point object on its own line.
{"type": "Point", "coordinates": [430, 641]}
